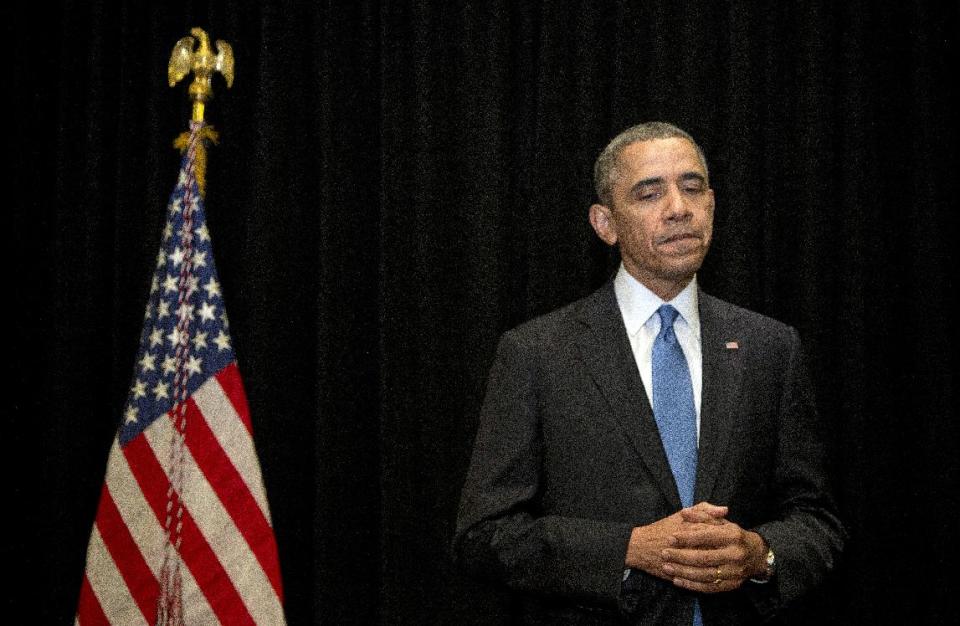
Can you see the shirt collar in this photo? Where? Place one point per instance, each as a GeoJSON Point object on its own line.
{"type": "Point", "coordinates": [637, 303]}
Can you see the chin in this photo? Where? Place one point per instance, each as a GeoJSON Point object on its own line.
{"type": "Point", "coordinates": [684, 263]}
{"type": "Point", "coordinates": [681, 278]}
{"type": "Point", "coordinates": [681, 273]}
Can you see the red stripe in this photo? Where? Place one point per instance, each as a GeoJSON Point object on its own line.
{"type": "Point", "coordinates": [141, 582]}
{"type": "Point", "coordinates": [233, 492]}
{"type": "Point", "coordinates": [229, 379]}
{"type": "Point", "coordinates": [89, 611]}
{"type": "Point", "coordinates": [194, 549]}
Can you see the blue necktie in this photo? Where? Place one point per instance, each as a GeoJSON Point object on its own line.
{"type": "Point", "coordinates": [673, 406]}
{"type": "Point", "coordinates": [675, 413]}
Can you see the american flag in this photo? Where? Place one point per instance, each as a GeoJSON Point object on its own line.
{"type": "Point", "coordinates": [183, 533]}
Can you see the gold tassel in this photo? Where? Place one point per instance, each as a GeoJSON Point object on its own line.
{"type": "Point", "coordinates": [182, 143]}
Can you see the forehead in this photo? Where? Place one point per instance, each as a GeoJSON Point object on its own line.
{"type": "Point", "coordinates": [658, 158]}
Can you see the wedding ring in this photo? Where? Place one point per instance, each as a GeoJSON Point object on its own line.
{"type": "Point", "coordinates": [719, 577]}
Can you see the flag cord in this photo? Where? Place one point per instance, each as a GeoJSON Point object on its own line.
{"type": "Point", "coordinates": [170, 609]}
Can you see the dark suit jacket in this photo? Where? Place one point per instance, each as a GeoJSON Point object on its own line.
{"type": "Point", "coordinates": [568, 459]}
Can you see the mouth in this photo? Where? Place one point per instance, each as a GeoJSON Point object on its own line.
{"type": "Point", "coordinates": [680, 244]}
{"type": "Point", "coordinates": [685, 238]}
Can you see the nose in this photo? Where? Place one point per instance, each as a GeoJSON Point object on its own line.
{"type": "Point", "coordinates": [676, 207]}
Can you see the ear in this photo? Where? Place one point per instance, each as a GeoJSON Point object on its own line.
{"type": "Point", "coordinates": [602, 222]}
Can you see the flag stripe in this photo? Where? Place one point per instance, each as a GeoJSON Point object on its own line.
{"type": "Point", "coordinates": [219, 530]}
{"type": "Point", "coordinates": [233, 388]}
{"type": "Point", "coordinates": [108, 586]}
{"type": "Point", "coordinates": [89, 611]}
{"type": "Point", "coordinates": [140, 581]}
{"type": "Point", "coordinates": [196, 609]}
{"type": "Point", "coordinates": [232, 490]}
{"type": "Point", "coordinates": [195, 551]}
{"type": "Point", "coordinates": [218, 397]}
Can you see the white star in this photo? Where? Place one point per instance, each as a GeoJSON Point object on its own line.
{"type": "Point", "coordinates": [174, 337]}
{"type": "Point", "coordinates": [177, 256]}
{"type": "Point", "coordinates": [224, 320]}
{"type": "Point", "coordinates": [138, 390]}
{"type": "Point", "coordinates": [212, 287]}
{"type": "Point", "coordinates": [169, 365]}
{"type": "Point", "coordinates": [176, 206]}
{"type": "Point", "coordinates": [130, 415]}
{"type": "Point", "coordinates": [148, 362]}
{"type": "Point", "coordinates": [222, 341]}
{"type": "Point", "coordinates": [207, 312]}
{"type": "Point", "coordinates": [200, 341]}
{"type": "Point", "coordinates": [170, 284]}
{"type": "Point", "coordinates": [163, 309]}
{"type": "Point", "coordinates": [182, 178]}
{"type": "Point", "coordinates": [160, 390]}
{"type": "Point", "coordinates": [161, 258]}
{"type": "Point", "coordinates": [167, 231]}
{"type": "Point", "coordinates": [156, 338]}
{"type": "Point", "coordinates": [154, 285]}
{"type": "Point", "coordinates": [203, 233]}
{"type": "Point", "coordinates": [199, 258]}
{"type": "Point", "coordinates": [192, 204]}
{"type": "Point", "coordinates": [193, 365]}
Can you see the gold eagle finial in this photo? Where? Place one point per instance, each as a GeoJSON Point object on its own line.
{"type": "Point", "coordinates": [203, 63]}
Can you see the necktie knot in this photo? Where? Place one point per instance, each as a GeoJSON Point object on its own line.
{"type": "Point", "coordinates": [668, 315]}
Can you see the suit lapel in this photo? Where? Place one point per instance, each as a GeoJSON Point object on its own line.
{"type": "Point", "coordinates": [606, 352]}
{"type": "Point", "coordinates": [722, 372]}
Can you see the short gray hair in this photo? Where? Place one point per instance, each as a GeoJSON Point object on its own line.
{"type": "Point", "coordinates": [605, 168]}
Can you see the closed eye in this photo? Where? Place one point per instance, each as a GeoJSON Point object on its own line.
{"type": "Point", "coordinates": [693, 183]}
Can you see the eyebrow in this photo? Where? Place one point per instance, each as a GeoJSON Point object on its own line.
{"type": "Point", "coordinates": [694, 176]}
{"type": "Point", "coordinates": [656, 180]}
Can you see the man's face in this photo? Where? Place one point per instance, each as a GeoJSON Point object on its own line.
{"type": "Point", "coordinates": [661, 214]}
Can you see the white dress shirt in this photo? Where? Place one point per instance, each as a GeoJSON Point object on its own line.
{"type": "Point", "coordinates": [638, 306]}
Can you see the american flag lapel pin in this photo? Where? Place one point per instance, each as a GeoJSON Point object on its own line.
{"type": "Point", "coordinates": [732, 345]}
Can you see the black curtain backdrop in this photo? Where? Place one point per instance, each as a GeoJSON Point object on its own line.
{"type": "Point", "coordinates": [398, 182]}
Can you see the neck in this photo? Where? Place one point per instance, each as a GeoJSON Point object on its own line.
{"type": "Point", "coordinates": [665, 289]}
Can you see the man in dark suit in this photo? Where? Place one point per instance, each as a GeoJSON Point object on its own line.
{"type": "Point", "coordinates": [650, 454]}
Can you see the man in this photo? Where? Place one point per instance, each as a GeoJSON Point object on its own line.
{"type": "Point", "coordinates": [650, 454]}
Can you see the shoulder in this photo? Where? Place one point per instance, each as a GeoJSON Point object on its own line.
{"type": "Point", "coordinates": [565, 324]}
{"type": "Point", "coordinates": [735, 321]}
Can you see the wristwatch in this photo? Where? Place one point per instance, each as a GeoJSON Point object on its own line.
{"type": "Point", "coordinates": [771, 561]}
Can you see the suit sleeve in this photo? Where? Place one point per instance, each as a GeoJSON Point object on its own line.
{"type": "Point", "coordinates": [502, 533]}
{"type": "Point", "coordinates": [805, 532]}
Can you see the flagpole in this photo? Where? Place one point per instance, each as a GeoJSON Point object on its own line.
{"type": "Point", "coordinates": [189, 57]}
